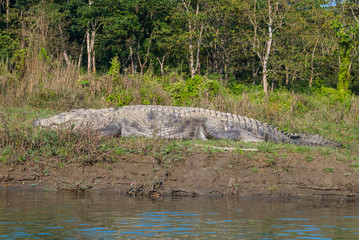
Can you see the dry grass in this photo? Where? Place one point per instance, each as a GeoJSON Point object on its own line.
{"type": "Point", "coordinates": [20, 142]}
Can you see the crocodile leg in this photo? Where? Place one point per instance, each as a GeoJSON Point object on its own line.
{"type": "Point", "coordinates": [216, 129]}
{"type": "Point", "coordinates": [110, 130]}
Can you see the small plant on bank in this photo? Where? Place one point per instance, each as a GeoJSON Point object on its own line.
{"type": "Point", "coordinates": [308, 158]}
{"type": "Point", "coordinates": [328, 170]}
{"type": "Point", "coordinates": [355, 166]}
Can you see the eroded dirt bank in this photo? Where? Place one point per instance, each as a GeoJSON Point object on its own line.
{"type": "Point", "coordinates": [290, 174]}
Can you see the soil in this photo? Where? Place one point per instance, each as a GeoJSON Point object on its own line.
{"type": "Point", "coordinates": [287, 174]}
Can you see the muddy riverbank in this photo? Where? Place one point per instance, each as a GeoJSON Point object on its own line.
{"type": "Point", "coordinates": [288, 174]}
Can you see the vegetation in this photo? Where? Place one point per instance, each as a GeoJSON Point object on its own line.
{"type": "Point", "coordinates": [290, 63]}
{"type": "Point", "coordinates": [47, 44]}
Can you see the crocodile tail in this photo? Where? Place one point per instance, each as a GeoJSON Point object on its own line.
{"type": "Point", "coordinates": [307, 140]}
{"type": "Point", "coordinates": [269, 133]}
{"type": "Point", "coordinates": [313, 140]}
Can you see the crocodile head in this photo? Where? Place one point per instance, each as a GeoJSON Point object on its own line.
{"type": "Point", "coordinates": [62, 119]}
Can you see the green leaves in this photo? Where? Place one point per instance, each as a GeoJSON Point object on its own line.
{"type": "Point", "coordinates": [311, 39]}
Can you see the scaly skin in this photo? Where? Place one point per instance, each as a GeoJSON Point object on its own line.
{"type": "Point", "coordinates": [177, 123]}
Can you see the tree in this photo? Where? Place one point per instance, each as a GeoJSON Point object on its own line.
{"type": "Point", "coordinates": [266, 18]}
{"type": "Point", "coordinates": [297, 47]}
{"type": "Point", "coordinates": [219, 37]}
{"type": "Point", "coordinates": [347, 32]}
{"type": "Point", "coordinates": [84, 22]}
{"type": "Point", "coordinates": [193, 35]}
{"type": "Point", "coordinates": [164, 42]}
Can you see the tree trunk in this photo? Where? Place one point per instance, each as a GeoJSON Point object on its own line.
{"type": "Point", "coordinates": [264, 52]}
{"type": "Point", "coordinates": [68, 63]}
{"type": "Point", "coordinates": [199, 42]}
{"type": "Point", "coordinates": [268, 45]}
{"type": "Point", "coordinates": [93, 62]}
{"type": "Point", "coordinates": [142, 65]}
{"type": "Point", "coordinates": [194, 64]}
{"type": "Point", "coordinates": [191, 58]}
{"type": "Point", "coordinates": [132, 64]}
{"type": "Point", "coordinates": [267, 54]}
{"type": "Point", "coordinates": [145, 59]}
{"type": "Point", "coordinates": [81, 52]}
{"type": "Point", "coordinates": [23, 33]}
{"type": "Point", "coordinates": [161, 64]}
{"type": "Point", "coordinates": [88, 44]}
{"type": "Point", "coordinates": [286, 75]}
{"type": "Point", "coordinates": [66, 57]}
{"type": "Point", "coordinates": [255, 28]}
{"type": "Point", "coordinates": [93, 36]}
{"type": "Point", "coordinates": [7, 13]}
{"type": "Point", "coordinates": [312, 65]}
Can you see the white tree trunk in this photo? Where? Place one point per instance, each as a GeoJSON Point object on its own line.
{"type": "Point", "coordinates": [268, 47]}
{"type": "Point", "coordinates": [191, 57]}
{"type": "Point", "coordinates": [161, 62]}
{"type": "Point", "coordinates": [266, 58]}
{"type": "Point", "coordinates": [264, 54]}
{"type": "Point", "coordinates": [194, 64]}
{"type": "Point", "coordinates": [67, 60]}
{"type": "Point", "coordinates": [93, 36]}
{"type": "Point", "coordinates": [199, 43]}
{"type": "Point", "coordinates": [7, 13]}
{"type": "Point", "coordinates": [312, 65]}
{"type": "Point", "coordinates": [88, 44]}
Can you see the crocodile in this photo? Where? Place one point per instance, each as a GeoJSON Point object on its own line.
{"type": "Point", "coordinates": [168, 122]}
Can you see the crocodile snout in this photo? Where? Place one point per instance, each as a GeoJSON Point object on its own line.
{"type": "Point", "coordinates": [36, 122]}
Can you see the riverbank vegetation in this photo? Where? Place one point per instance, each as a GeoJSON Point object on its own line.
{"type": "Point", "coordinates": [47, 45]}
{"type": "Point", "coordinates": [291, 64]}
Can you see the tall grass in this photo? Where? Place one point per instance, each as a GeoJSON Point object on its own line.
{"type": "Point", "coordinates": [39, 80]}
{"type": "Point", "coordinates": [19, 142]}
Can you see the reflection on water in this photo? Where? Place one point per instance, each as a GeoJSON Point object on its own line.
{"type": "Point", "coordinates": [43, 215]}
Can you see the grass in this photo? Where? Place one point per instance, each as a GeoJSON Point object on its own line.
{"type": "Point", "coordinates": [328, 170]}
{"type": "Point", "coordinates": [321, 111]}
{"type": "Point", "coordinates": [308, 158]}
{"type": "Point", "coordinates": [20, 142]}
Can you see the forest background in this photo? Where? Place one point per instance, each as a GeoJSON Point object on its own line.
{"type": "Point", "coordinates": [296, 45]}
{"type": "Point", "coordinates": [264, 59]}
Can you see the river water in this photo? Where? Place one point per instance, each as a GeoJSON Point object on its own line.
{"type": "Point", "coordinates": [28, 214]}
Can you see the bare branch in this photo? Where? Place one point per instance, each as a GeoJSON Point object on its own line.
{"type": "Point", "coordinates": [356, 19]}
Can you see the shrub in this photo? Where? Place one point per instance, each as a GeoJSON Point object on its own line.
{"type": "Point", "coordinates": [120, 97]}
{"type": "Point", "coordinates": [193, 89]}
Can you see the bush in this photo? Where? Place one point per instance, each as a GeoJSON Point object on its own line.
{"type": "Point", "coordinates": [335, 96]}
{"type": "Point", "coordinates": [189, 91]}
{"type": "Point", "coordinates": [120, 97]}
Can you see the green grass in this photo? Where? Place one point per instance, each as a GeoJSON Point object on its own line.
{"type": "Point", "coordinates": [308, 158]}
{"type": "Point", "coordinates": [355, 166]}
{"type": "Point", "coordinates": [334, 118]}
{"type": "Point", "coordinates": [328, 170]}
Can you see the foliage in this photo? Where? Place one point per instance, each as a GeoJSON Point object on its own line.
{"type": "Point", "coordinates": [114, 71]}
{"type": "Point", "coordinates": [314, 44]}
{"type": "Point", "coordinates": [151, 92]}
{"type": "Point", "coordinates": [120, 97]}
{"type": "Point", "coordinates": [186, 92]}
{"type": "Point", "coordinates": [345, 48]}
